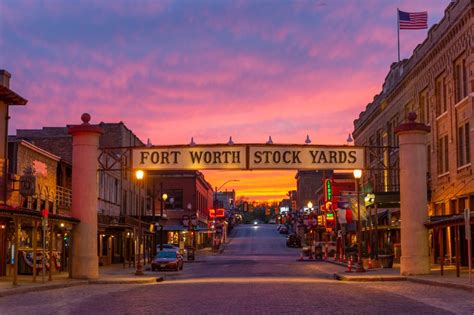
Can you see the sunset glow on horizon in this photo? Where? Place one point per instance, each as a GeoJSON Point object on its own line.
{"type": "Point", "coordinates": [172, 70]}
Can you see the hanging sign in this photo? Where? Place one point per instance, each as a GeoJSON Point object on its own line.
{"type": "Point", "coordinates": [248, 157]}
{"type": "Point", "coordinates": [300, 157]}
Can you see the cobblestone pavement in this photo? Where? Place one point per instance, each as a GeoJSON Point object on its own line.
{"type": "Point", "coordinates": [256, 274]}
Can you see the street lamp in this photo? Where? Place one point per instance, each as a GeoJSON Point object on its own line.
{"type": "Point", "coordinates": [216, 201]}
{"type": "Point", "coordinates": [310, 205]}
{"type": "Point", "coordinates": [163, 199]}
{"type": "Point", "coordinates": [360, 267]}
{"type": "Point", "coordinates": [139, 174]}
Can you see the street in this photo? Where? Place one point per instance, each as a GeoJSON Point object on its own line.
{"type": "Point", "coordinates": [256, 273]}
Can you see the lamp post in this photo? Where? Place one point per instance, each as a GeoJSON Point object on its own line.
{"type": "Point", "coordinates": [139, 272]}
{"type": "Point", "coordinates": [163, 199]}
{"type": "Point", "coordinates": [216, 201]}
{"type": "Point", "coordinates": [360, 267]}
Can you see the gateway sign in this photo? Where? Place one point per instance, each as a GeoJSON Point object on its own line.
{"type": "Point", "coordinates": [248, 157]}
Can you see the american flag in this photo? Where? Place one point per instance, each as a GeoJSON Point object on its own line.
{"type": "Point", "coordinates": [412, 20]}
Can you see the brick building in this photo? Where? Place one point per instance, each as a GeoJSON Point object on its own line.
{"type": "Point", "coordinates": [437, 83]}
{"type": "Point", "coordinates": [188, 193]}
{"type": "Point", "coordinates": [307, 183]}
{"type": "Point", "coordinates": [121, 197]}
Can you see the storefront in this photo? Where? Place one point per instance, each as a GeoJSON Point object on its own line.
{"type": "Point", "coordinates": [22, 249]}
{"type": "Point", "coordinates": [448, 244]}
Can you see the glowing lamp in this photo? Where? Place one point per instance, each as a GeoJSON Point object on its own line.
{"type": "Point", "coordinates": [139, 174]}
{"type": "Point", "coordinates": [357, 174]}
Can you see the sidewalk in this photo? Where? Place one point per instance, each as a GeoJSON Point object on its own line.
{"type": "Point", "coordinates": [113, 274]}
{"type": "Point", "coordinates": [449, 278]}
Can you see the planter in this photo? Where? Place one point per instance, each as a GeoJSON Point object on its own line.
{"type": "Point", "coordinates": [375, 263]}
{"type": "Point", "coordinates": [386, 260]}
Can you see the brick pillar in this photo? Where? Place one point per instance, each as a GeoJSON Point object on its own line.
{"type": "Point", "coordinates": [413, 197]}
{"type": "Point", "coordinates": [85, 152]}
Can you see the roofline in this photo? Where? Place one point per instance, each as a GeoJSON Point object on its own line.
{"type": "Point", "coordinates": [39, 150]}
{"type": "Point", "coordinates": [10, 97]}
{"type": "Point", "coordinates": [383, 96]}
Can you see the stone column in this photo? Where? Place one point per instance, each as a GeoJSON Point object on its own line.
{"type": "Point", "coordinates": [85, 152]}
{"type": "Point", "coordinates": [415, 258]}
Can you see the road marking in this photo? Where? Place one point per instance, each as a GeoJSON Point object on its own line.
{"type": "Point", "coordinates": [247, 280]}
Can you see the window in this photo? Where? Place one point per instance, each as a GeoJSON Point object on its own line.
{"type": "Point", "coordinates": [175, 199]}
{"type": "Point", "coordinates": [428, 155]}
{"type": "Point", "coordinates": [441, 95]}
{"type": "Point", "coordinates": [124, 202]}
{"type": "Point", "coordinates": [406, 111]}
{"type": "Point", "coordinates": [423, 107]}
{"type": "Point", "coordinates": [371, 154]}
{"type": "Point", "coordinates": [460, 79]}
{"type": "Point", "coordinates": [392, 138]}
{"type": "Point", "coordinates": [443, 155]}
{"type": "Point", "coordinates": [463, 149]}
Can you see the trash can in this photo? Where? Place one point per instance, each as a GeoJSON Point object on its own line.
{"type": "Point", "coordinates": [191, 254]}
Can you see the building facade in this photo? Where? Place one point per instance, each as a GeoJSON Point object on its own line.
{"type": "Point", "coordinates": [122, 199]}
{"type": "Point", "coordinates": [437, 83]}
{"type": "Point", "coordinates": [188, 195]}
{"type": "Point", "coordinates": [307, 183]}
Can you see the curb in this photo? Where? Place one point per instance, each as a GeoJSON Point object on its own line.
{"type": "Point", "coordinates": [46, 287]}
{"type": "Point", "coordinates": [128, 281]}
{"type": "Point", "coordinates": [340, 277]}
{"type": "Point", "coordinates": [464, 287]}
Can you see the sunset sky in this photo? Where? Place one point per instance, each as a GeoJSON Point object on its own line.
{"type": "Point", "coordinates": [172, 70]}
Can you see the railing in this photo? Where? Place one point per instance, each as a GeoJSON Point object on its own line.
{"type": "Point", "coordinates": [388, 181]}
{"type": "Point", "coordinates": [63, 197]}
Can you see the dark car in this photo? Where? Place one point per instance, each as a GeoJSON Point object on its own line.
{"type": "Point", "coordinates": [283, 230]}
{"type": "Point", "coordinates": [293, 241]}
{"type": "Point", "coordinates": [167, 260]}
{"type": "Point", "coordinates": [168, 247]}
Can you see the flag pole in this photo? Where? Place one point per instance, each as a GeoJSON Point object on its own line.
{"type": "Point", "coordinates": [398, 33]}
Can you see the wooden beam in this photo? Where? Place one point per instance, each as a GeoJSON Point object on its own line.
{"type": "Point", "coordinates": [441, 249]}
{"type": "Point", "coordinates": [51, 232]}
{"type": "Point", "coordinates": [35, 248]}
{"type": "Point", "coordinates": [17, 222]}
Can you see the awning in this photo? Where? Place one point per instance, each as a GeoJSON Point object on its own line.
{"type": "Point", "coordinates": [33, 214]}
{"type": "Point", "coordinates": [174, 228]}
{"type": "Point", "coordinates": [447, 220]}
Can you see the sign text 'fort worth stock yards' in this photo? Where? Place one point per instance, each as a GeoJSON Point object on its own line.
{"type": "Point", "coordinates": [247, 157]}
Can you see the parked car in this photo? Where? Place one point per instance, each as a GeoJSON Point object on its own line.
{"type": "Point", "coordinates": [293, 240]}
{"type": "Point", "coordinates": [283, 230]}
{"type": "Point", "coordinates": [168, 247]}
{"type": "Point", "coordinates": [170, 260]}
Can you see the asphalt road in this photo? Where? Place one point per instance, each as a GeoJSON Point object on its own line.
{"type": "Point", "coordinates": [256, 274]}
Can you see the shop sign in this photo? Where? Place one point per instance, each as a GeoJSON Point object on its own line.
{"type": "Point", "coordinates": [248, 157]}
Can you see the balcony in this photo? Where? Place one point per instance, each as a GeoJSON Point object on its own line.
{"type": "Point", "coordinates": [63, 198]}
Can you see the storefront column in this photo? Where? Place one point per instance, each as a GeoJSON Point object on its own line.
{"type": "Point", "coordinates": [415, 258]}
{"type": "Point", "coordinates": [85, 153]}
{"type": "Point", "coordinates": [51, 232]}
{"type": "Point", "coordinates": [441, 250]}
{"type": "Point", "coordinates": [17, 222]}
{"type": "Point", "coordinates": [35, 248]}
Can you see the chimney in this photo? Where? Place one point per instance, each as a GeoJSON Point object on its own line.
{"type": "Point", "coordinates": [5, 78]}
